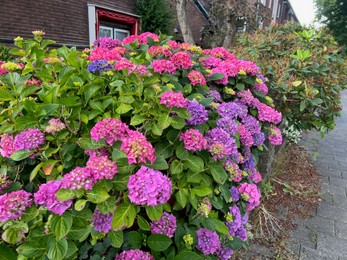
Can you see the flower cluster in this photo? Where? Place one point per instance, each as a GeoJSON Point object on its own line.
{"type": "Point", "coordinates": [31, 138]}
{"type": "Point", "coordinates": [193, 140]}
{"type": "Point", "coordinates": [102, 222]}
{"type": "Point", "coordinates": [208, 241]}
{"type": "Point", "coordinates": [77, 179]}
{"type": "Point", "coordinates": [173, 99]}
{"type": "Point", "coordinates": [236, 223]}
{"type": "Point", "coordinates": [198, 113]}
{"type": "Point", "coordinates": [134, 254]}
{"type": "Point", "coordinates": [196, 78]}
{"type": "Point", "coordinates": [149, 187]}
{"type": "Point", "coordinates": [110, 129]}
{"type": "Point", "coordinates": [99, 66]}
{"type": "Point", "coordinates": [220, 144]}
{"type": "Point", "coordinates": [100, 167]}
{"type": "Point", "coordinates": [166, 225]}
{"type": "Point", "coordinates": [13, 204]}
{"type": "Point", "coordinates": [251, 194]}
{"type": "Point", "coordinates": [162, 66]}
{"type": "Point", "coordinates": [6, 145]}
{"type": "Point", "coordinates": [275, 136]}
{"type": "Point", "coordinates": [54, 125]}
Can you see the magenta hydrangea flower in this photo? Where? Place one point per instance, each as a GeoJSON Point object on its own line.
{"type": "Point", "coordinates": [45, 197]}
{"type": "Point", "coordinates": [101, 53]}
{"type": "Point", "coordinates": [101, 168]}
{"type": "Point", "coordinates": [13, 204]}
{"type": "Point", "coordinates": [173, 99]}
{"type": "Point", "coordinates": [220, 144]}
{"type": "Point", "coordinates": [211, 62]}
{"type": "Point", "coordinates": [224, 253]}
{"type": "Point", "coordinates": [208, 241]}
{"type": "Point", "coordinates": [54, 125]}
{"type": "Point", "coordinates": [182, 60]}
{"type": "Point", "coordinates": [106, 42]}
{"type": "Point", "coordinates": [275, 136]}
{"type": "Point", "coordinates": [251, 194]}
{"type": "Point", "coordinates": [149, 187]}
{"type": "Point", "coordinates": [246, 137]}
{"type": "Point", "coordinates": [198, 113]}
{"type": "Point", "coordinates": [196, 78]}
{"type": "Point", "coordinates": [78, 178]}
{"type": "Point", "coordinates": [193, 140]}
{"type": "Point", "coordinates": [268, 114]}
{"type": "Point", "coordinates": [7, 145]}
{"type": "Point", "coordinates": [130, 39]}
{"type": "Point", "coordinates": [221, 52]}
{"type": "Point", "coordinates": [162, 66]}
{"type": "Point", "coordinates": [254, 175]}
{"type": "Point", "coordinates": [110, 129]}
{"type": "Point", "coordinates": [166, 225]}
{"type": "Point", "coordinates": [137, 148]}
{"type": "Point", "coordinates": [248, 67]}
{"type": "Point", "coordinates": [262, 88]}
{"type": "Point", "coordinates": [31, 138]}
{"type": "Point", "coordinates": [134, 254]}
{"type": "Point", "coordinates": [143, 37]}
{"type": "Point", "coordinates": [246, 97]}
{"type": "Point", "coordinates": [124, 64]}
{"type": "Point", "coordinates": [102, 222]}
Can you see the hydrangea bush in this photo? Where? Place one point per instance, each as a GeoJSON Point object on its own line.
{"type": "Point", "coordinates": [140, 149]}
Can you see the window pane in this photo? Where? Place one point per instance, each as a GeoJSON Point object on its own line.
{"type": "Point", "coordinates": [105, 32]}
{"type": "Point", "coordinates": [121, 34]}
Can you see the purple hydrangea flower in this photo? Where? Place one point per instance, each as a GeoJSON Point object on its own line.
{"type": "Point", "coordinates": [102, 222]}
{"type": "Point", "coordinates": [251, 124]}
{"type": "Point", "coordinates": [258, 139]}
{"type": "Point", "coordinates": [235, 224]}
{"type": "Point", "coordinates": [31, 138]}
{"type": "Point", "coordinates": [241, 233]}
{"type": "Point", "coordinates": [99, 66]}
{"type": "Point", "coordinates": [208, 241]}
{"type": "Point", "coordinates": [77, 179]}
{"type": "Point", "coordinates": [228, 125]}
{"type": "Point", "coordinates": [235, 195]}
{"type": "Point", "coordinates": [166, 225]}
{"type": "Point", "coordinates": [248, 163]}
{"type": "Point", "coordinates": [198, 113]}
{"type": "Point", "coordinates": [13, 204]}
{"type": "Point", "coordinates": [135, 254]}
{"type": "Point", "coordinates": [224, 253]}
{"type": "Point", "coordinates": [45, 197]}
{"type": "Point", "coordinates": [228, 109]}
{"type": "Point", "coordinates": [149, 187]}
{"type": "Point", "coordinates": [220, 144]}
{"type": "Point", "coordinates": [254, 175]}
{"type": "Point", "coordinates": [246, 137]}
{"type": "Point", "coordinates": [215, 95]}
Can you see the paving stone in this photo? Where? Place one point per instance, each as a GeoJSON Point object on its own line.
{"type": "Point", "coordinates": [341, 230]}
{"type": "Point", "coordinates": [319, 224]}
{"type": "Point", "coordinates": [339, 182]}
{"type": "Point", "coordinates": [332, 212]}
{"type": "Point", "coordinates": [312, 254]}
{"type": "Point", "coordinates": [331, 245]}
{"type": "Point", "coordinates": [307, 237]}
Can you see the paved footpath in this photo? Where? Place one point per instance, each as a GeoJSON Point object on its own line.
{"type": "Point", "coordinates": [325, 235]}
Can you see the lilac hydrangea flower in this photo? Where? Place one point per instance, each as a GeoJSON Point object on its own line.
{"type": "Point", "coordinates": [13, 204]}
{"type": "Point", "coordinates": [135, 254]}
{"type": "Point", "coordinates": [31, 138]}
{"type": "Point", "coordinates": [228, 125]}
{"type": "Point", "coordinates": [224, 253]}
{"type": "Point", "coordinates": [241, 233]}
{"type": "Point", "coordinates": [45, 197]}
{"type": "Point", "coordinates": [235, 222]}
{"type": "Point", "coordinates": [77, 179]}
{"type": "Point", "coordinates": [166, 225]}
{"type": "Point", "coordinates": [198, 113]}
{"type": "Point", "coordinates": [228, 109]}
{"type": "Point", "coordinates": [251, 124]}
{"type": "Point", "coordinates": [215, 95]}
{"type": "Point", "coordinates": [102, 222]}
{"type": "Point", "coordinates": [99, 66]}
{"type": "Point", "coordinates": [220, 144]}
{"type": "Point", "coordinates": [208, 241]}
{"type": "Point", "coordinates": [149, 187]}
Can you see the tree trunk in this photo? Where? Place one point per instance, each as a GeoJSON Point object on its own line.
{"type": "Point", "coordinates": [183, 21]}
{"type": "Point", "coordinates": [230, 34]}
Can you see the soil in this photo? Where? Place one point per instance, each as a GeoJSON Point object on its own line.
{"type": "Point", "coordinates": [291, 193]}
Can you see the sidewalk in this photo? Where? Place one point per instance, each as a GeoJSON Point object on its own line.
{"type": "Point", "coordinates": [325, 235]}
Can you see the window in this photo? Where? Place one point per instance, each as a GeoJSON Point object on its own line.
{"type": "Point", "coordinates": [120, 34]}
{"type": "Point", "coordinates": [113, 32]}
{"type": "Point", "coordinates": [105, 32]}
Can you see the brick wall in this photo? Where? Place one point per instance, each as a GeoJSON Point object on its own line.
{"type": "Point", "coordinates": [65, 21]}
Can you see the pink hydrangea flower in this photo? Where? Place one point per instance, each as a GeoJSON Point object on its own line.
{"type": "Point", "coordinates": [143, 37]}
{"type": "Point", "coordinates": [101, 168]}
{"type": "Point", "coordinates": [275, 136]}
{"type": "Point", "coordinates": [159, 50]}
{"type": "Point", "coordinates": [78, 178]}
{"type": "Point", "coordinates": [110, 129]}
{"type": "Point", "coordinates": [54, 125]}
{"type": "Point", "coordinates": [221, 52]}
{"type": "Point", "coordinates": [266, 113]}
{"type": "Point", "coordinates": [211, 62]}
{"type": "Point", "coordinates": [246, 97]}
{"type": "Point", "coordinates": [234, 170]}
{"type": "Point", "coordinates": [182, 60]}
{"type": "Point", "coordinates": [13, 204]}
{"type": "Point", "coordinates": [162, 66]}
{"type": "Point", "coordinates": [106, 42]}
{"type": "Point", "coordinates": [248, 67]}
{"type": "Point", "coordinates": [149, 187]}
{"type": "Point", "coordinates": [173, 44]}
{"type": "Point", "coordinates": [45, 197]}
{"type": "Point", "coordinates": [31, 138]}
{"type": "Point", "coordinates": [104, 54]}
{"type": "Point", "coordinates": [124, 64]}
{"type": "Point", "coordinates": [166, 225]}
{"type": "Point", "coordinates": [196, 78]}
{"type": "Point", "coordinates": [246, 137]}
{"type": "Point", "coordinates": [173, 99]}
{"type": "Point", "coordinates": [33, 82]}
{"type": "Point", "coordinates": [137, 148]}
{"type": "Point", "coordinates": [254, 175]}
{"type": "Point", "coordinates": [193, 140]}
{"type": "Point", "coordinates": [2, 70]}
{"type": "Point", "coordinates": [262, 88]}
{"type": "Point", "coordinates": [130, 39]}
{"type": "Point", "coordinates": [251, 194]}
{"type": "Point", "coordinates": [98, 152]}
{"type": "Point", "coordinates": [134, 254]}
{"type": "Point", "coordinates": [7, 145]}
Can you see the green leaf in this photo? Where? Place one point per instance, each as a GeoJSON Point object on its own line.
{"type": "Point", "coordinates": [302, 105]}
{"type": "Point", "coordinates": [154, 212]}
{"type": "Point", "coordinates": [35, 171]}
{"type": "Point", "coordinates": [87, 143]}
{"type": "Point", "coordinates": [182, 153]}
{"type": "Point", "coordinates": [5, 95]}
{"type": "Point", "coordinates": [7, 253]}
{"type": "Point", "coordinates": [79, 205]}
{"type": "Point", "coordinates": [176, 167]}
{"type": "Point", "coordinates": [116, 238]}
{"type": "Point", "coordinates": [57, 249]}
{"type": "Point", "coordinates": [194, 163]}
{"type": "Point", "coordinates": [134, 239]}
{"type": "Point", "coordinates": [194, 177]}
{"type": "Point", "coordinates": [137, 119]}
{"type": "Point", "coordinates": [97, 195]}
{"type": "Point", "coordinates": [20, 155]}
{"type": "Point", "coordinates": [123, 108]}
{"type": "Point", "coordinates": [32, 249]}
{"type": "Point", "coordinates": [61, 225]}
{"type": "Point", "coordinates": [158, 242]}
{"type": "Point", "coordinates": [143, 224]}
{"type": "Point", "coordinates": [216, 76]}
{"type": "Point", "coordinates": [72, 248]}
{"type": "Point", "coordinates": [30, 214]}
{"type": "Point", "coordinates": [178, 123]}
{"type": "Point", "coordinates": [120, 181]}
{"type": "Point", "coordinates": [215, 224]}
{"type": "Point", "coordinates": [188, 255]}
{"type": "Point", "coordinates": [156, 130]}
{"type": "Point", "coordinates": [25, 122]}
{"type": "Point", "coordinates": [125, 216]}
{"type": "Point", "coordinates": [201, 191]}
{"type": "Point", "coordinates": [65, 194]}
{"type": "Point", "coordinates": [164, 121]}
{"type": "Point", "coordinates": [181, 198]}
{"type": "Point", "coordinates": [159, 164]}
{"type": "Point", "coordinates": [218, 173]}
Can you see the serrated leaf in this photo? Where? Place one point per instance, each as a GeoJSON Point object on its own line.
{"type": "Point", "coordinates": [158, 242]}
{"type": "Point", "coordinates": [137, 119]}
{"type": "Point", "coordinates": [188, 256]}
{"type": "Point", "coordinates": [181, 198]}
{"type": "Point", "coordinates": [61, 225]}
{"type": "Point", "coordinates": [97, 195]}
{"type": "Point", "coordinates": [216, 76]}
{"type": "Point", "coordinates": [159, 164]}
{"type": "Point", "coordinates": [7, 253]}
{"type": "Point", "coordinates": [57, 249]}
{"type": "Point", "coordinates": [154, 212]}
{"type": "Point", "coordinates": [194, 163]}
{"type": "Point", "coordinates": [79, 205]}
{"type": "Point", "coordinates": [176, 167]}
{"type": "Point", "coordinates": [87, 143]}
{"type": "Point", "coordinates": [123, 108]}
{"type": "Point", "coordinates": [215, 224]}
{"type": "Point", "coordinates": [218, 173]}
{"type": "Point", "coordinates": [124, 217]}
{"type": "Point", "coordinates": [64, 194]}
{"type": "Point", "coordinates": [116, 238]}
